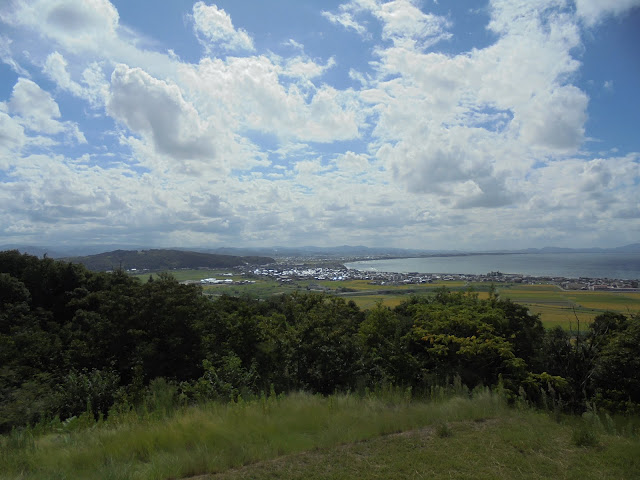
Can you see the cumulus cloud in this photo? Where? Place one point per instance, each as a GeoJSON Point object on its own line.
{"type": "Point", "coordinates": [55, 67]}
{"type": "Point", "coordinates": [401, 20]}
{"type": "Point", "coordinates": [554, 119]}
{"type": "Point", "coordinates": [12, 138]}
{"type": "Point", "coordinates": [93, 86]}
{"type": "Point", "coordinates": [77, 25]}
{"type": "Point", "coordinates": [157, 110]}
{"type": "Point", "coordinates": [247, 92]}
{"type": "Point", "coordinates": [466, 126]}
{"type": "Point", "coordinates": [305, 68]}
{"type": "Point", "coordinates": [214, 27]}
{"type": "Point", "coordinates": [352, 163]}
{"type": "Point", "coordinates": [37, 111]}
{"type": "Point", "coordinates": [228, 148]}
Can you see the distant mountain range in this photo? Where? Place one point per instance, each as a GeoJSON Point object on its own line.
{"type": "Point", "coordinates": [312, 251]}
{"type": "Point", "coordinates": [164, 260]}
{"type": "Point", "coordinates": [306, 251]}
{"type": "Point", "coordinates": [632, 248]}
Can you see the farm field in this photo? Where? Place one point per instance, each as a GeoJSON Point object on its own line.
{"type": "Point", "coordinates": [566, 307]}
{"type": "Point", "coordinates": [555, 306]}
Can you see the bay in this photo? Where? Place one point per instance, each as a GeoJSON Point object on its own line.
{"type": "Point", "coordinates": [571, 265]}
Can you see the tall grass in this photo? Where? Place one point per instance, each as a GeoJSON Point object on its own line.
{"type": "Point", "coordinates": [215, 437]}
{"type": "Point", "coordinates": [165, 441]}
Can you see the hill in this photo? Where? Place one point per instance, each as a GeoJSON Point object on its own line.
{"type": "Point", "coordinates": [164, 260]}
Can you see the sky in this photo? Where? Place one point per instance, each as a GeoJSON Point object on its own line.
{"type": "Point", "coordinates": [422, 124]}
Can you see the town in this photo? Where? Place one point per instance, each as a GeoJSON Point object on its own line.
{"type": "Point", "coordinates": [288, 273]}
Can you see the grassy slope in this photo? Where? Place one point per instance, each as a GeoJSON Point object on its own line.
{"type": "Point", "coordinates": [304, 436]}
{"type": "Point", "coordinates": [528, 446]}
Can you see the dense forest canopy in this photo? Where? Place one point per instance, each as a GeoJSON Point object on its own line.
{"type": "Point", "coordinates": [72, 339]}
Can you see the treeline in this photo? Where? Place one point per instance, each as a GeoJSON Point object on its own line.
{"type": "Point", "coordinates": [73, 340]}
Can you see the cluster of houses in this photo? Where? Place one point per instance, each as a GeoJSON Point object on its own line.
{"type": "Point", "coordinates": [289, 273]}
{"type": "Point", "coordinates": [219, 281]}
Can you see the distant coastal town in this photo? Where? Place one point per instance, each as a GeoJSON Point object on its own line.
{"type": "Point", "coordinates": [291, 273]}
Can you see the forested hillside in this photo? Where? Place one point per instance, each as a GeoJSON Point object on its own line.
{"type": "Point", "coordinates": [72, 339]}
{"type": "Point", "coordinates": [164, 260]}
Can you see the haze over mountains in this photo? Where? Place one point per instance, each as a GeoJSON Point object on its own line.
{"type": "Point", "coordinates": [304, 251]}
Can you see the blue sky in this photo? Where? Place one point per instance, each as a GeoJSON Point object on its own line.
{"type": "Point", "coordinates": [403, 123]}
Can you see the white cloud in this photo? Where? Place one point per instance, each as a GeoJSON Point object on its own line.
{"type": "Point", "coordinates": [403, 19]}
{"type": "Point", "coordinates": [157, 110]}
{"type": "Point", "coordinates": [554, 119]}
{"type": "Point", "coordinates": [246, 93]}
{"type": "Point", "coordinates": [491, 139]}
{"type": "Point", "coordinates": [214, 24]}
{"type": "Point", "coordinates": [467, 126]}
{"type": "Point", "coordinates": [77, 25]}
{"type": "Point", "coordinates": [36, 108]}
{"type": "Point", "coordinates": [293, 44]}
{"type": "Point", "coordinates": [12, 138]}
{"type": "Point", "coordinates": [7, 57]}
{"type": "Point", "coordinates": [94, 87]}
{"type": "Point", "coordinates": [37, 111]}
{"type": "Point", "coordinates": [594, 11]}
{"type": "Point", "coordinates": [516, 15]}
{"type": "Point", "coordinates": [56, 68]}
{"type": "Point", "coordinates": [346, 20]}
{"type": "Point", "coordinates": [305, 68]}
{"type": "Point", "coordinates": [352, 163]}
{"type": "Point", "coordinates": [89, 34]}
{"type": "Point", "coordinates": [598, 188]}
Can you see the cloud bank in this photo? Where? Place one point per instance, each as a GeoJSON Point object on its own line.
{"type": "Point", "coordinates": [400, 138]}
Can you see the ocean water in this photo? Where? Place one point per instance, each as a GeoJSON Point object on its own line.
{"type": "Point", "coordinates": [571, 265]}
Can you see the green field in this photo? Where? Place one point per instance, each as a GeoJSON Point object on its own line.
{"type": "Point", "coordinates": [566, 308]}
{"type": "Point", "coordinates": [555, 306]}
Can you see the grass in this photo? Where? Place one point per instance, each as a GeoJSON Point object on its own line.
{"type": "Point", "coordinates": [527, 446]}
{"type": "Point", "coordinates": [216, 437]}
{"type": "Point", "coordinates": [384, 435]}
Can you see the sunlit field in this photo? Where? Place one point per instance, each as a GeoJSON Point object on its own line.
{"type": "Point", "coordinates": [567, 308]}
{"type": "Point", "coordinates": [555, 306]}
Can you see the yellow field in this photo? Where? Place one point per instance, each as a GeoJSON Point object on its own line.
{"type": "Point", "coordinates": [555, 306]}
{"type": "Point", "coordinates": [566, 308]}
{"type": "Point", "coordinates": [389, 300]}
{"type": "Point", "coordinates": [369, 301]}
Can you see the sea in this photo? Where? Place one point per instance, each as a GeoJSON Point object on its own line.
{"type": "Point", "coordinates": [624, 266]}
